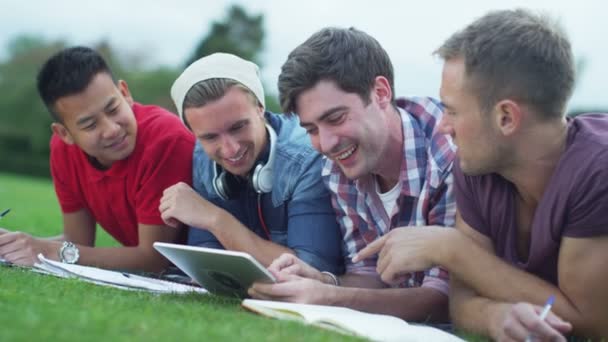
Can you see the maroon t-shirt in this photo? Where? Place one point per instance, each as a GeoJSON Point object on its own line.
{"type": "Point", "coordinates": [575, 202]}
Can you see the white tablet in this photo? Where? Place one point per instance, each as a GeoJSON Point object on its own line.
{"type": "Point", "coordinates": [221, 272]}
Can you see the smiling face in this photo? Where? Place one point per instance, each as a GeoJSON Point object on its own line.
{"type": "Point", "coordinates": [231, 130]}
{"type": "Point", "coordinates": [478, 140]}
{"type": "Point", "coordinates": [343, 128]}
{"type": "Point", "coordinates": [99, 120]}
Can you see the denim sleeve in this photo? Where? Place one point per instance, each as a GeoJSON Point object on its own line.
{"type": "Point", "coordinates": [202, 238]}
{"type": "Point", "coordinates": [313, 231]}
{"type": "Point", "coordinates": [199, 236]}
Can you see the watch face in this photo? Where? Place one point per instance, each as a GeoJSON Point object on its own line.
{"type": "Point", "coordinates": [70, 254]}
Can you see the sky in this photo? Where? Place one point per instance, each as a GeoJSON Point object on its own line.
{"type": "Point", "coordinates": [167, 31]}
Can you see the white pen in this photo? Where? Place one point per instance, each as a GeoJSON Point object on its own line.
{"type": "Point", "coordinates": [544, 313]}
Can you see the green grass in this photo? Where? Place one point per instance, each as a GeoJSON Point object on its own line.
{"type": "Point", "coordinates": [34, 208]}
{"type": "Point", "coordinates": [38, 307]}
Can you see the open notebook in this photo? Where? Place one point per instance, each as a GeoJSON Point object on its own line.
{"type": "Point", "coordinates": [122, 280]}
{"type": "Point", "coordinates": [373, 326]}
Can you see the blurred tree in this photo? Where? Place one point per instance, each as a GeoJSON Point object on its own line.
{"type": "Point", "coordinates": [25, 124]}
{"type": "Point", "coordinates": [152, 86]}
{"type": "Point", "coordinates": [147, 85]}
{"type": "Point", "coordinates": [239, 33]}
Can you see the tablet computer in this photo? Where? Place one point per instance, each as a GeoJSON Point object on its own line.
{"type": "Point", "coordinates": [221, 272]}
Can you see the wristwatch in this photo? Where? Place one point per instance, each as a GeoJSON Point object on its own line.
{"type": "Point", "coordinates": [68, 253]}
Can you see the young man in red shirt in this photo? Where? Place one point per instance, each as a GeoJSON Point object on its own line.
{"type": "Point", "coordinates": [111, 159]}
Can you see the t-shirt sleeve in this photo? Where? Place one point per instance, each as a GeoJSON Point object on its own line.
{"type": "Point", "coordinates": [66, 187]}
{"type": "Point", "coordinates": [588, 215]}
{"type": "Point", "coordinates": [467, 202]}
{"type": "Point", "coordinates": [166, 163]}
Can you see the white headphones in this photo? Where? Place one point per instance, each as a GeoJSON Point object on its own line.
{"type": "Point", "coordinates": [227, 185]}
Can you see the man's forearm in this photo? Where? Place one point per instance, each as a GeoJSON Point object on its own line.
{"type": "Point", "coordinates": [55, 238]}
{"type": "Point", "coordinates": [471, 312]}
{"type": "Point", "coordinates": [479, 315]}
{"type": "Point", "coordinates": [411, 304]}
{"type": "Point", "coordinates": [123, 258]}
{"type": "Point", "coordinates": [465, 259]}
{"type": "Point", "coordinates": [233, 235]}
{"type": "Point", "coordinates": [362, 281]}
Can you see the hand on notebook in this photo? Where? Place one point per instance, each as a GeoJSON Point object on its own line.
{"type": "Point", "coordinates": [22, 249]}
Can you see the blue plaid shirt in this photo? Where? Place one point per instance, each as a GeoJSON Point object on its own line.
{"type": "Point", "coordinates": [426, 196]}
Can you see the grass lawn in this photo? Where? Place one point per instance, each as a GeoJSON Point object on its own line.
{"type": "Point", "coordinates": [38, 307]}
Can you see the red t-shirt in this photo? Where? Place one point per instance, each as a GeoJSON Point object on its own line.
{"type": "Point", "coordinates": [129, 192]}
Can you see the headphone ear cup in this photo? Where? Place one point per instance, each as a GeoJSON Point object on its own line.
{"type": "Point", "coordinates": [263, 172]}
{"type": "Point", "coordinates": [228, 186]}
{"type": "Point", "coordinates": [262, 179]}
{"type": "Point", "coordinates": [220, 186]}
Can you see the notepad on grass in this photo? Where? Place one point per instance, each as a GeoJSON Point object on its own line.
{"type": "Point", "coordinates": [122, 280]}
{"type": "Point", "coordinates": [344, 320]}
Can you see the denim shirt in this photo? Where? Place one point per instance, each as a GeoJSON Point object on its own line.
{"type": "Point", "coordinates": [297, 212]}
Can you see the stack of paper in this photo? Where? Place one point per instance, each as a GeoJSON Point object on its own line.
{"type": "Point", "coordinates": [116, 279]}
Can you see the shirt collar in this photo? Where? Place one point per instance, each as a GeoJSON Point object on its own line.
{"type": "Point", "coordinates": [411, 174]}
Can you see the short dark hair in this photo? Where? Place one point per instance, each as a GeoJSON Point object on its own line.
{"type": "Point", "coordinates": [349, 57]}
{"type": "Point", "coordinates": [69, 72]}
{"type": "Point", "coordinates": [515, 54]}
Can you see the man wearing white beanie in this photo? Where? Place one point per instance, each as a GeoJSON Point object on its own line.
{"type": "Point", "coordinates": [256, 178]}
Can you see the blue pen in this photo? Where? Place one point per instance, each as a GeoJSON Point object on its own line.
{"type": "Point", "coordinates": [547, 308]}
{"type": "Point", "coordinates": [544, 313]}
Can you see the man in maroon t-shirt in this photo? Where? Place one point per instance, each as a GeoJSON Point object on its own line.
{"type": "Point", "coordinates": [111, 159]}
{"type": "Point", "coordinates": [531, 188]}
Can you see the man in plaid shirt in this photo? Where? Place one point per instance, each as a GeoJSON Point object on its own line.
{"type": "Point", "coordinates": [386, 167]}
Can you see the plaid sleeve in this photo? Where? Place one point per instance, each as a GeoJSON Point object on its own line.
{"type": "Point", "coordinates": [344, 202]}
{"type": "Point", "coordinates": [442, 213]}
{"type": "Point", "coordinates": [441, 154]}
